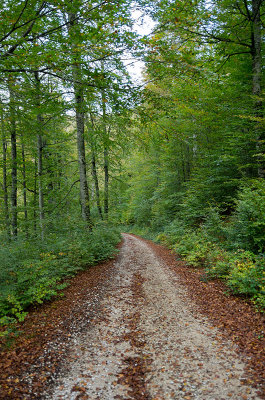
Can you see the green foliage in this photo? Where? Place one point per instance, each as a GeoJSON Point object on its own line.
{"type": "Point", "coordinates": [243, 271]}
{"type": "Point", "coordinates": [193, 247]}
{"type": "Point", "coordinates": [32, 275]}
{"type": "Point", "coordinates": [143, 231]}
{"type": "Point", "coordinates": [248, 227]}
{"type": "Point", "coordinates": [208, 246]}
{"type": "Point", "coordinates": [173, 232]}
{"type": "Point", "coordinates": [213, 225]}
{"type": "Point", "coordinates": [247, 275]}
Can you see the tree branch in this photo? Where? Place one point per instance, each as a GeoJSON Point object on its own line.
{"type": "Point", "coordinates": [60, 202]}
{"type": "Point", "coordinates": [228, 56]}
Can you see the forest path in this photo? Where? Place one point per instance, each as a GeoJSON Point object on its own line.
{"type": "Point", "coordinates": [148, 342]}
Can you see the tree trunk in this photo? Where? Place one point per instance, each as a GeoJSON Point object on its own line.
{"type": "Point", "coordinates": [40, 185]}
{"type": "Point", "coordinates": [84, 194]}
{"type": "Point", "coordinates": [95, 177]}
{"type": "Point", "coordinates": [106, 182]}
{"type": "Point", "coordinates": [94, 167]}
{"type": "Point", "coordinates": [106, 153]}
{"type": "Point", "coordinates": [80, 120]}
{"type": "Point", "coordinates": [40, 157]}
{"type": "Point", "coordinates": [13, 162]}
{"type": "Point", "coordinates": [256, 83]}
{"type": "Point", "coordinates": [24, 181]}
{"type": "Point", "coordinates": [35, 197]}
{"type": "Point", "coordinates": [6, 207]}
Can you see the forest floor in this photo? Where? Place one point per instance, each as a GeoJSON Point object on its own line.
{"type": "Point", "coordinates": [145, 326]}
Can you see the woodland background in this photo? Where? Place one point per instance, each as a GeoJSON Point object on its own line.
{"type": "Point", "coordinates": [88, 152]}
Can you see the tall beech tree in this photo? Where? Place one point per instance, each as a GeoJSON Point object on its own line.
{"type": "Point", "coordinates": [74, 34]}
{"type": "Point", "coordinates": [93, 146]}
{"type": "Point", "coordinates": [5, 181]}
{"type": "Point", "coordinates": [13, 139]}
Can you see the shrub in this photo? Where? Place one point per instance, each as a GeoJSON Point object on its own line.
{"type": "Point", "coordinates": [218, 263]}
{"type": "Point", "coordinates": [192, 245]}
{"type": "Point", "coordinates": [175, 231]}
{"type": "Point", "coordinates": [32, 275]}
{"type": "Point", "coordinates": [248, 228]}
{"type": "Point", "coordinates": [242, 270]}
{"type": "Point", "coordinates": [213, 225]}
{"type": "Point", "coordinates": [247, 274]}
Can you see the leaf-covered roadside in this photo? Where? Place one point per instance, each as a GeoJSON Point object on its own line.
{"type": "Point", "coordinates": [230, 247]}
{"type": "Point", "coordinates": [32, 273]}
{"type": "Point", "coordinates": [235, 317]}
{"type": "Point", "coordinates": [28, 361]}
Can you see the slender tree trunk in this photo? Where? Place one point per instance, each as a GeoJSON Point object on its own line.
{"type": "Point", "coordinates": [6, 207]}
{"type": "Point", "coordinates": [50, 185]}
{"type": "Point", "coordinates": [95, 177]}
{"type": "Point", "coordinates": [40, 185]}
{"type": "Point", "coordinates": [80, 120]}
{"type": "Point", "coordinates": [84, 193]}
{"type": "Point", "coordinates": [14, 163]}
{"type": "Point", "coordinates": [106, 153]}
{"type": "Point", "coordinates": [35, 197]}
{"type": "Point", "coordinates": [106, 182]}
{"type": "Point", "coordinates": [24, 182]}
{"type": "Point", "coordinates": [94, 168]}
{"type": "Point", "coordinates": [256, 83]}
{"type": "Point", "coordinates": [51, 174]}
{"type": "Point", "coordinates": [40, 157]}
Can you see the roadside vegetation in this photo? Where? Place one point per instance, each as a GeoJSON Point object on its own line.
{"type": "Point", "coordinates": [230, 248]}
{"type": "Point", "coordinates": [33, 272]}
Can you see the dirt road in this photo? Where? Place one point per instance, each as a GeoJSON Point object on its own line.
{"type": "Point", "coordinates": [148, 342]}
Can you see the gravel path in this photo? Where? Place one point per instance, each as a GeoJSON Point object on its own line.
{"type": "Point", "coordinates": [148, 342]}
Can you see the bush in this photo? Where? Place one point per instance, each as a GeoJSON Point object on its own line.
{"type": "Point", "coordinates": [247, 230]}
{"type": "Point", "coordinates": [175, 231]}
{"type": "Point", "coordinates": [191, 244]}
{"type": "Point", "coordinates": [194, 248]}
{"type": "Point", "coordinates": [31, 274]}
{"type": "Point", "coordinates": [242, 270]}
{"type": "Point", "coordinates": [213, 225]}
{"type": "Point", "coordinates": [247, 274]}
{"type": "Point", "coordinates": [218, 263]}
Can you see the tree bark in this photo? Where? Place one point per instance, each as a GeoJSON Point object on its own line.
{"type": "Point", "coordinates": [24, 182]}
{"type": "Point", "coordinates": [6, 206]}
{"type": "Point", "coordinates": [94, 167]}
{"type": "Point", "coordinates": [106, 182]}
{"type": "Point", "coordinates": [106, 153]}
{"type": "Point", "coordinates": [40, 156]}
{"type": "Point", "coordinates": [35, 197]}
{"type": "Point", "coordinates": [80, 120]}
{"type": "Point", "coordinates": [13, 128]}
{"type": "Point", "coordinates": [95, 177]}
{"type": "Point", "coordinates": [256, 83]}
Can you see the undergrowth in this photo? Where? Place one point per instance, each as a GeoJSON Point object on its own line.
{"type": "Point", "coordinates": [32, 272]}
{"type": "Point", "coordinates": [242, 270]}
{"type": "Point", "coordinates": [231, 249]}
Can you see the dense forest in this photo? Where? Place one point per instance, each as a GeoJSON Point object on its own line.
{"type": "Point", "coordinates": [88, 152]}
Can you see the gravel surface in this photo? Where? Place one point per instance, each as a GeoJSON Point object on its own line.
{"type": "Point", "coordinates": [148, 342]}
